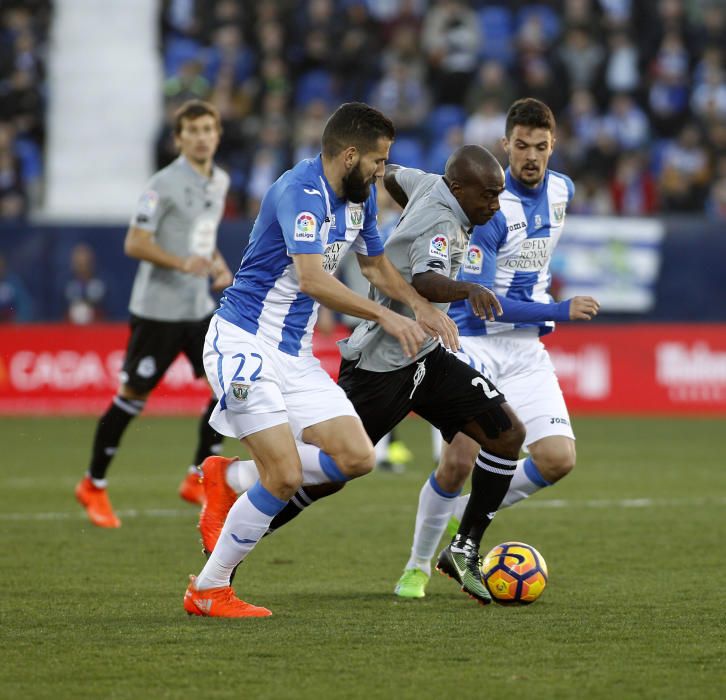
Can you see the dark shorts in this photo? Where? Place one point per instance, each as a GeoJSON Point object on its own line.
{"type": "Point", "coordinates": [154, 345]}
{"type": "Point", "coordinates": [440, 388]}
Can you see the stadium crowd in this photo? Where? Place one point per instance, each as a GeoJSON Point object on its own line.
{"type": "Point", "coordinates": [23, 34]}
{"type": "Point", "coordinates": [638, 88]}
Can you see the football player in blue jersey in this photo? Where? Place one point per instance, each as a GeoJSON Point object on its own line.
{"type": "Point", "coordinates": [510, 255]}
{"type": "Point", "coordinates": [272, 393]}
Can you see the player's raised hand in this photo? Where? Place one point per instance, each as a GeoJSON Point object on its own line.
{"type": "Point", "coordinates": [484, 302]}
{"type": "Point", "coordinates": [407, 331]}
{"type": "Point", "coordinates": [197, 265]}
{"type": "Point", "coordinates": [583, 308]}
{"type": "Point", "coordinates": [437, 324]}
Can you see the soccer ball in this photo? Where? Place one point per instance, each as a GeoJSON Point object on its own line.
{"type": "Point", "coordinates": [514, 573]}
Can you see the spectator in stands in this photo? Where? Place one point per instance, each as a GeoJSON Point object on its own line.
{"type": "Point", "coordinates": [669, 88]}
{"type": "Point", "coordinates": [402, 95]}
{"type": "Point", "coordinates": [716, 201]}
{"type": "Point", "coordinates": [450, 39]}
{"type": "Point", "coordinates": [582, 57]}
{"type": "Point", "coordinates": [633, 188]}
{"type": "Point", "coordinates": [16, 304]}
{"type": "Point", "coordinates": [85, 291]}
{"type": "Point", "coordinates": [486, 125]}
{"type": "Point", "coordinates": [626, 123]}
{"type": "Point", "coordinates": [621, 72]}
{"type": "Point", "coordinates": [685, 172]}
{"type": "Point", "coordinates": [492, 82]}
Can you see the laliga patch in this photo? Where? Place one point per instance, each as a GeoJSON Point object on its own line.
{"type": "Point", "coordinates": [148, 203]}
{"type": "Point", "coordinates": [354, 216]}
{"type": "Point", "coordinates": [473, 260]}
{"type": "Point", "coordinates": [240, 391]}
{"type": "Point", "coordinates": [439, 247]}
{"type": "Point", "coordinates": [305, 226]}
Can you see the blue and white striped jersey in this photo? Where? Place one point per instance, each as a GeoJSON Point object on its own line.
{"type": "Point", "coordinates": [511, 253]}
{"type": "Point", "coordinates": [299, 214]}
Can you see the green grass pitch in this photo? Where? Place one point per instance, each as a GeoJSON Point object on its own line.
{"type": "Point", "coordinates": [634, 540]}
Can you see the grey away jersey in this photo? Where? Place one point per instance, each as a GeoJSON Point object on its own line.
{"type": "Point", "coordinates": [431, 236]}
{"type": "Point", "coordinates": [183, 210]}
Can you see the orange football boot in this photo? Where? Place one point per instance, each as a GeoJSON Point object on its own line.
{"type": "Point", "coordinates": [96, 503]}
{"type": "Point", "coordinates": [191, 488]}
{"type": "Point", "coordinates": [219, 602]}
{"type": "Point", "coordinates": [219, 498]}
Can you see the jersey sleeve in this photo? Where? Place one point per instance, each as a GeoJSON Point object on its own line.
{"type": "Point", "coordinates": [570, 187]}
{"type": "Point", "coordinates": [431, 251]}
{"type": "Point", "coordinates": [480, 260]}
{"type": "Point", "coordinates": [409, 178]}
{"type": "Point", "coordinates": [369, 240]}
{"type": "Point", "coordinates": [301, 216]}
{"type": "Point", "coordinates": [152, 205]}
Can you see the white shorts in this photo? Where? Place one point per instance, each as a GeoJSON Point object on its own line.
{"type": "Point", "coordinates": [518, 364]}
{"type": "Point", "coordinates": [258, 386]}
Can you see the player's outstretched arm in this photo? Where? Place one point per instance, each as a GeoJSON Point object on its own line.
{"type": "Point", "coordinates": [381, 273]}
{"type": "Point", "coordinates": [436, 287]}
{"type": "Point", "coordinates": [575, 309]}
{"type": "Point", "coordinates": [329, 291]}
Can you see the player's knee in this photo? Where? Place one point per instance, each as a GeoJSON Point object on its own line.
{"type": "Point", "coordinates": [512, 439]}
{"type": "Point", "coordinates": [287, 483]}
{"type": "Point", "coordinates": [454, 470]}
{"type": "Point", "coordinates": [555, 463]}
{"type": "Point", "coordinates": [357, 460]}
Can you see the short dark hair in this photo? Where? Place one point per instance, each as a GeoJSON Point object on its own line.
{"type": "Point", "coordinates": [531, 113]}
{"type": "Point", "coordinates": [355, 124]}
{"type": "Point", "coordinates": [193, 109]}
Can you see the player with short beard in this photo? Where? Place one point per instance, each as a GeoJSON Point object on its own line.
{"type": "Point", "coordinates": [272, 392]}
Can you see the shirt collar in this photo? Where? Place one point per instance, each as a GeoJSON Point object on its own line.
{"type": "Point", "coordinates": [318, 166]}
{"type": "Point", "coordinates": [513, 185]}
{"type": "Point", "coordinates": [195, 173]}
{"type": "Point", "coordinates": [442, 192]}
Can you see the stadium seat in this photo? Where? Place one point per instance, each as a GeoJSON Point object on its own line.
{"type": "Point", "coordinates": [177, 52]}
{"type": "Point", "coordinates": [408, 152]}
{"type": "Point", "coordinates": [314, 85]}
{"type": "Point", "coordinates": [497, 29]}
{"type": "Point", "coordinates": [442, 119]}
{"type": "Point", "coordinates": [551, 25]}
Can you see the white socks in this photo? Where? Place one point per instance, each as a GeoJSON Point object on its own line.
{"type": "Point", "coordinates": [241, 475]}
{"type": "Point", "coordinates": [246, 523]}
{"type": "Point", "coordinates": [435, 507]}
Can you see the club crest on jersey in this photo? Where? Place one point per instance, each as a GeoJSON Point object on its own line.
{"type": "Point", "coordinates": [305, 225]}
{"type": "Point", "coordinates": [558, 212]}
{"type": "Point", "coordinates": [240, 391]}
{"type": "Point", "coordinates": [537, 221]}
{"type": "Point", "coordinates": [439, 247]}
{"type": "Point", "coordinates": [354, 215]}
{"type": "Point", "coordinates": [473, 260]}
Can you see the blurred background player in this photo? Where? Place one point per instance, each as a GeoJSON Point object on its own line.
{"type": "Point", "coordinates": [510, 254]}
{"type": "Point", "coordinates": [174, 234]}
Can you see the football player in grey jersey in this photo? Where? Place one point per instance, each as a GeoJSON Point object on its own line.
{"type": "Point", "coordinates": [173, 233]}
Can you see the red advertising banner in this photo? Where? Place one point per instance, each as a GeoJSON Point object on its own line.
{"type": "Point", "coordinates": [646, 369]}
